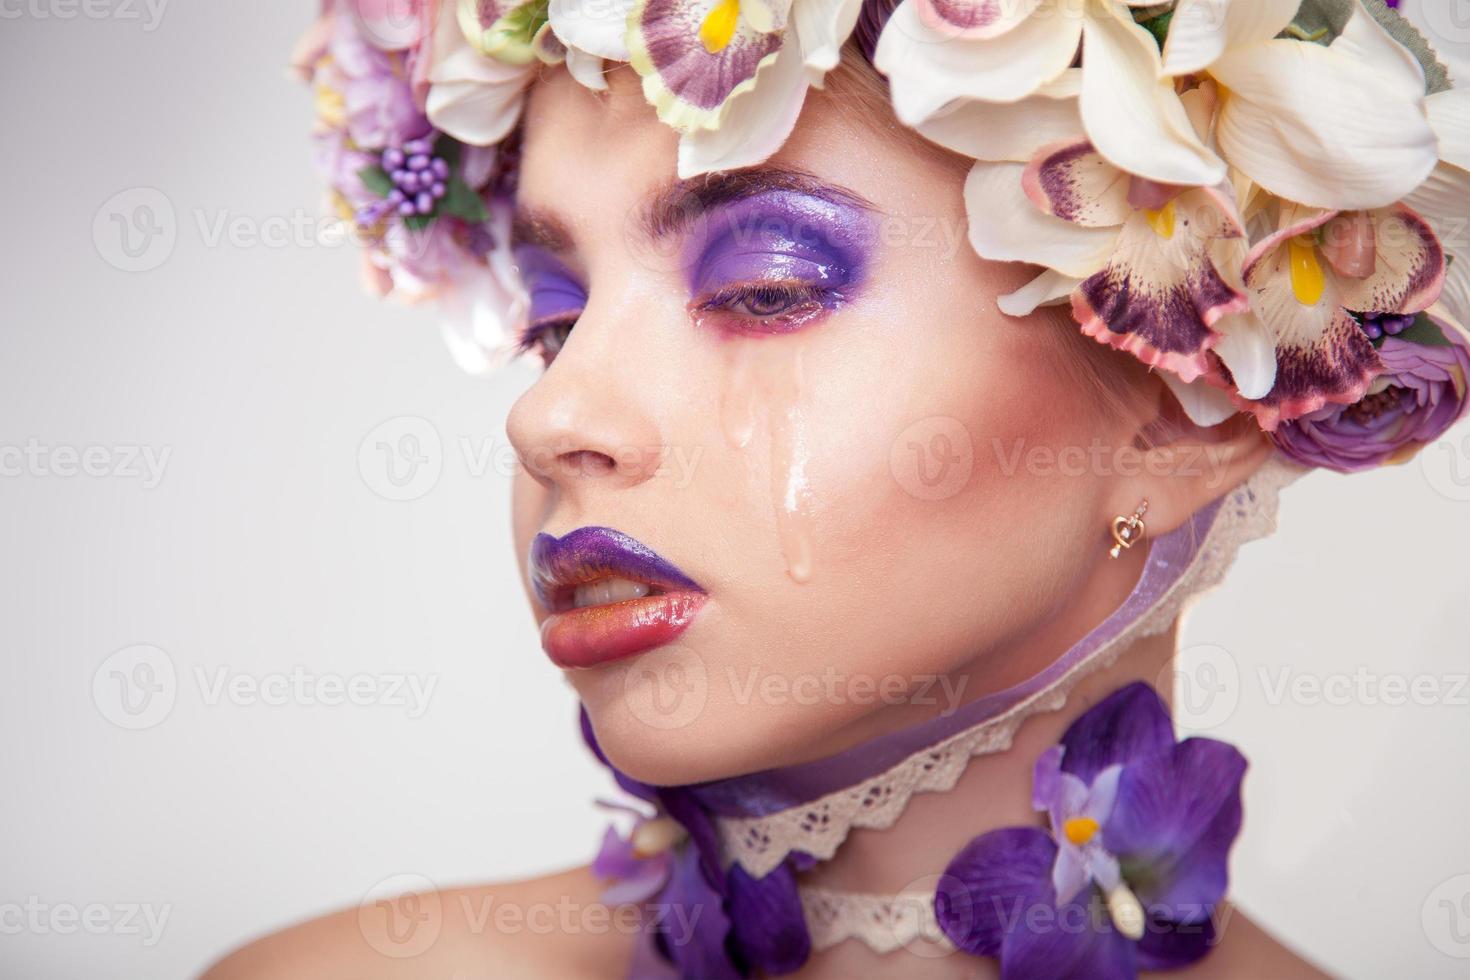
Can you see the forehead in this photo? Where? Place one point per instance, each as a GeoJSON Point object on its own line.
{"type": "Point", "coordinates": [577, 141]}
{"type": "Point", "coordinates": [588, 155]}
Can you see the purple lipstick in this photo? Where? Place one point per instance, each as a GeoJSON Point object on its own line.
{"type": "Point", "coordinates": [609, 596]}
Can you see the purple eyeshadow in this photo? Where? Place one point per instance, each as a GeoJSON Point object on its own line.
{"type": "Point", "coordinates": [555, 293]}
{"type": "Point", "coordinates": [780, 236]}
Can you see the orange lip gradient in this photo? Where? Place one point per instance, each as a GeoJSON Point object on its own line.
{"type": "Point", "coordinates": [600, 634]}
{"type": "Point", "coordinates": [646, 600]}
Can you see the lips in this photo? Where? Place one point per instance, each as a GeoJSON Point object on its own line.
{"type": "Point", "coordinates": [609, 596]}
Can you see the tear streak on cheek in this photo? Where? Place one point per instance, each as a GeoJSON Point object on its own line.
{"type": "Point", "coordinates": [763, 382]}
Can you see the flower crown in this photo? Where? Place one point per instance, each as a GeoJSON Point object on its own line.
{"type": "Point", "coordinates": [1261, 199]}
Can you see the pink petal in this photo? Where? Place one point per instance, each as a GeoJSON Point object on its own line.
{"type": "Point", "coordinates": [1159, 298]}
{"type": "Point", "coordinates": [1072, 181]}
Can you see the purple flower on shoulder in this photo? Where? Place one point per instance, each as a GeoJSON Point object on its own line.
{"type": "Point", "coordinates": [737, 924]}
{"type": "Point", "coordinates": [1133, 865]}
{"type": "Point", "coordinates": [1420, 395]}
{"type": "Point", "coordinates": [637, 865]}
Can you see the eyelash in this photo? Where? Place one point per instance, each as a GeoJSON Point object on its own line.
{"type": "Point", "coordinates": [796, 303]}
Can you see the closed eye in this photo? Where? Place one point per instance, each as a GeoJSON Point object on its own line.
{"type": "Point", "coordinates": [766, 307]}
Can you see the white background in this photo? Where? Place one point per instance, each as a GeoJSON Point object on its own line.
{"type": "Point", "coordinates": [264, 549]}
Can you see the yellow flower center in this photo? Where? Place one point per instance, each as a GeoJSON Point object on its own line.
{"type": "Point", "coordinates": [1308, 281]}
{"type": "Point", "coordinates": [331, 107]}
{"type": "Point", "coordinates": [1162, 220]}
{"type": "Point", "coordinates": [1079, 830]}
{"type": "Point", "coordinates": [718, 26]}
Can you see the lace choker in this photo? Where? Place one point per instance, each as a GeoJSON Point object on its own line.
{"type": "Point", "coordinates": [752, 834]}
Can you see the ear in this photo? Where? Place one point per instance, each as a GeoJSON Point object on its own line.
{"type": "Point", "coordinates": [1186, 466]}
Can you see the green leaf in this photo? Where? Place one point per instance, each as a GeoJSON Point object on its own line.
{"type": "Point", "coordinates": [376, 179]}
{"type": "Point", "coordinates": [461, 201]}
{"type": "Point", "coordinates": [448, 149]}
{"type": "Point", "coordinates": [418, 222]}
{"type": "Point", "coordinates": [1158, 27]}
{"type": "Point", "coordinates": [1425, 331]}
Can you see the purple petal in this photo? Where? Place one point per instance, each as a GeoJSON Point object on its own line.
{"type": "Point", "coordinates": [1046, 779]}
{"type": "Point", "coordinates": [641, 883]}
{"type": "Point", "coordinates": [767, 920]}
{"type": "Point", "coordinates": [990, 886]}
{"type": "Point", "coordinates": [1129, 724]}
{"type": "Point", "coordinates": [615, 859]}
{"type": "Point", "coordinates": [1103, 794]}
{"type": "Point", "coordinates": [1175, 819]}
{"type": "Point", "coordinates": [1427, 394]}
{"type": "Point", "coordinates": [1171, 945]}
{"type": "Point", "coordinates": [1069, 875]}
{"type": "Point", "coordinates": [1078, 943]}
{"type": "Point", "coordinates": [693, 932]}
{"type": "Point", "coordinates": [682, 806]}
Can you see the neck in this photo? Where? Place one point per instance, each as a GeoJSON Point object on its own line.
{"type": "Point", "coordinates": [993, 792]}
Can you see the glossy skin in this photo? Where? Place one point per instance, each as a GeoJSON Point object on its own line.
{"type": "Point", "coordinates": [984, 583]}
{"type": "Point", "coordinates": [760, 376]}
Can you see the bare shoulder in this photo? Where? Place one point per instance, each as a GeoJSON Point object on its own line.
{"type": "Point", "coordinates": [554, 926]}
{"type": "Point", "coordinates": [1244, 949]}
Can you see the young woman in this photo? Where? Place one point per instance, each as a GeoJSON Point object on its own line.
{"type": "Point", "coordinates": [863, 559]}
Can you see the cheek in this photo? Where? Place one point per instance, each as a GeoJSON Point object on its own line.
{"type": "Point", "coordinates": [931, 504]}
{"type": "Point", "coordinates": [942, 420]}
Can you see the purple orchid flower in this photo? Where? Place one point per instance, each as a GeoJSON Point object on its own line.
{"type": "Point", "coordinates": [639, 864]}
{"type": "Point", "coordinates": [1134, 864]}
{"type": "Point", "coordinates": [741, 925]}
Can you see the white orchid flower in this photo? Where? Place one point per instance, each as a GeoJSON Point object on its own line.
{"type": "Point", "coordinates": [732, 75]}
{"type": "Point", "coordinates": [939, 52]}
{"type": "Point", "coordinates": [1444, 199]}
{"type": "Point", "coordinates": [1339, 126]}
{"type": "Point", "coordinates": [472, 97]}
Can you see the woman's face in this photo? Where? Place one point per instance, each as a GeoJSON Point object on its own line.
{"type": "Point", "coordinates": [793, 386]}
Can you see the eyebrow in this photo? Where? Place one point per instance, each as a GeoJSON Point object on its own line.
{"type": "Point", "coordinates": [675, 206]}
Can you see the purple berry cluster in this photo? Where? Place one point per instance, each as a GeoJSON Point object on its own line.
{"type": "Point", "coordinates": [419, 177]}
{"type": "Point", "coordinates": [1376, 325]}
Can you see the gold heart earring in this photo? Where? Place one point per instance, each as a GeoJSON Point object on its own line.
{"type": "Point", "coordinates": [1128, 531]}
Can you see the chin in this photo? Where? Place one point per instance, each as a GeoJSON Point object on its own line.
{"type": "Point", "coordinates": [659, 719]}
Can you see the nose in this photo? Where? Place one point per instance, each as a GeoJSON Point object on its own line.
{"type": "Point", "coordinates": [588, 420]}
